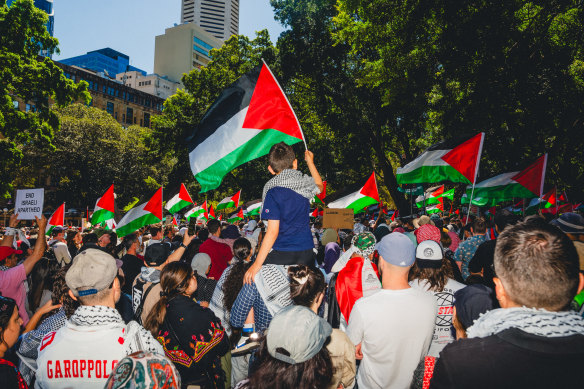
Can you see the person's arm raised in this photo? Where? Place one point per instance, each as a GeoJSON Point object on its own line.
{"type": "Point", "coordinates": [39, 247]}
{"type": "Point", "coordinates": [267, 244]}
{"type": "Point", "coordinates": [309, 157]}
{"type": "Point", "coordinates": [178, 253]}
{"type": "Point", "coordinates": [9, 239]}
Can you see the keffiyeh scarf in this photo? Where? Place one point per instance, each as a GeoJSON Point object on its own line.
{"type": "Point", "coordinates": [274, 286]}
{"type": "Point", "coordinates": [292, 179]}
{"type": "Point", "coordinates": [533, 321]}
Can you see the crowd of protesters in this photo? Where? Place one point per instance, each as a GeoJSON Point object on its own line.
{"type": "Point", "coordinates": [280, 302]}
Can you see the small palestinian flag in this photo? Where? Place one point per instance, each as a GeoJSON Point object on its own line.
{"type": "Point", "coordinates": [506, 186]}
{"type": "Point", "coordinates": [434, 196]}
{"type": "Point", "coordinates": [455, 160]}
{"type": "Point", "coordinates": [319, 197]}
{"type": "Point", "coordinates": [395, 214]}
{"type": "Point", "coordinates": [254, 209]}
{"type": "Point", "coordinates": [141, 215]}
{"type": "Point", "coordinates": [229, 202]}
{"type": "Point", "coordinates": [57, 219]}
{"type": "Point", "coordinates": [179, 201]}
{"type": "Point", "coordinates": [246, 120]}
{"type": "Point", "coordinates": [357, 201]}
{"type": "Point", "coordinates": [436, 208]}
{"type": "Point", "coordinates": [211, 213]}
{"type": "Point", "coordinates": [174, 221]}
{"type": "Point", "coordinates": [478, 201]}
{"type": "Point", "coordinates": [547, 201]}
{"type": "Point", "coordinates": [413, 191]}
{"type": "Point", "coordinates": [314, 214]}
{"type": "Point", "coordinates": [197, 211]}
{"type": "Point", "coordinates": [236, 217]}
{"type": "Point", "coordinates": [104, 207]}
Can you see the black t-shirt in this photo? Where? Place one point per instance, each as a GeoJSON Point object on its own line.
{"type": "Point", "coordinates": [483, 260]}
{"type": "Point", "coordinates": [8, 375]}
{"type": "Point", "coordinates": [131, 267]}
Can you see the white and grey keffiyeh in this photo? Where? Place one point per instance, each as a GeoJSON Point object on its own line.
{"type": "Point", "coordinates": [293, 179]}
{"type": "Point", "coordinates": [274, 286]}
{"type": "Point", "coordinates": [533, 321]}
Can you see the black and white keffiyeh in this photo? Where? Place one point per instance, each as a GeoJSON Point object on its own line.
{"type": "Point", "coordinates": [274, 286]}
{"type": "Point", "coordinates": [293, 179]}
{"type": "Point", "coordinates": [533, 321]}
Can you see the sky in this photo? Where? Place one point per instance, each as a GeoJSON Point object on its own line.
{"type": "Point", "coordinates": [129, 26]}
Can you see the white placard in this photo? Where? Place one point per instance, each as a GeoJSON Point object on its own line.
{"type": "Point", "coordinates": [29, 203]}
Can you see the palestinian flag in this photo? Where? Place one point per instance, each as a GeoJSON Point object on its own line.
{"type": "Point", "coordinates": [395, 214]}
{"type": "Point", "coordinates": [110, 224]}
{"type": "Point", "coordinates": [506, 186]}
{"type": "Point", "coordinates": [246, 120]}
{"type": "Point", "coordinates": [174, 221]}
{"type": "Point", "coordinates": [455, 160]}
{"type": "Point", "coordinates": [434, 196]}
{"type": "Point", "coordinates": [229, 202]}
{"type": "Point", "coordinates": [104, 207]}
{"type": "Point", "coordinates": [179, 201]}
{"type": "Point", "coordinates": [211, 213]}
{"type": "Point", "coordinates": [413, 191]}
{"type": "Point", "coordinates": [549, 200]}
{"type": "Point", "coordinates": [254, 209]}
{"type": "Point", "coordinates": [141, 215]}
{"type": "Point", "coordinates": [197, 211]}
{"type": "Point", "coordinates": [357, 201]}
{"type": "Point", "coordinates": [318, 199]}
{"type": "Point", "coordinates": [478, 201]}
{"type": "Point", "coordinates": [236, 216]}
{"type": "Point", "coordinates": [57, 219]}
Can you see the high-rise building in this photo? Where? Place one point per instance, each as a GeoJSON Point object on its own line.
{"type": "Point", "coordinates": [108, 61]}
{"type": "Point", "coordinates": [47, 6]}
{"type": "Point", "coordinates": [219, 18]}
{"type": "Point", "coordinates": [154, 84]}
{"type": "Point", "coordinates": [181, 49]}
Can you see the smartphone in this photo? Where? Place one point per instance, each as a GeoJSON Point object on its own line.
{"type": "Point", "coordinates": [192, 226]}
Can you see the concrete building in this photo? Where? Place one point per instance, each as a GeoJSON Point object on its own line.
{"type": "Point", "coordinates": [220, 18]}
{"type": "Point", "coordinates": [127, 105]}
{"type": "Point", "coordinates": [106, 60]}
{"type": "Point", "coordinates": [181, 49]}
{"type": "Point", "coordinates": [47, 6]}
{"type": "Point", "coordinates": [153, 84]}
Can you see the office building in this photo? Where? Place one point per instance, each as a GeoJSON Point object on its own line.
{"type": "Point", "coordinates": [108, 61]}
{"type": "Point", "coordinates": [47, 6]}
{"type": "Point", "coordinates": [127, 105]}
{"type": "Point", "coordinates": [153, 84]}
{"type": "Point", "coordinates": [219, 18]}
{"type": "Point", "coordinates": [181, 49]}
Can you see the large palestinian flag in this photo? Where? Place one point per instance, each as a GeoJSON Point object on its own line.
{"type": "Point", "coordinates": [506, 186]}
{"type": "Point", "coordinates": [197, 211]}
{"type": "Point", "coordinates": [229, 202]}
{"type": "Point", "coordinates": [247, 119]}
{"type": "Point", "coordinates": [357, 201]}
{"type": "Point", "coordinates": [181, 200]}
{"type": "Point", "coordinates": [57, 219]}
{"type": "Point", "coordinates": [141, 215]}
{"type": "Point", "coordinates": [455, 160]}
{"type": "Point", "coordinates": [104, 207]}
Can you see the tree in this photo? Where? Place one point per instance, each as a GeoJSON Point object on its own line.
{"type": "Point", "coordinates": [29, 79]}
{"type": "Point", "coordinates": [92, 151]}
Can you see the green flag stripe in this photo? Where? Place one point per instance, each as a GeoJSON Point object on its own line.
{"type": "Point", "coordinates": [431, 174]}
{"type": "Point", "coordinates": [101, 215]}
{"type": "Point", "coordinates": [136, 224]}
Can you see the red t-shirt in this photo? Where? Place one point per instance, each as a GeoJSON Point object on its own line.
{"type": "Point", "coordinates": [220, 254]}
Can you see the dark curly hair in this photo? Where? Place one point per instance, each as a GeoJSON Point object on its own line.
{"type": "Point", "coordinates": [272, 373]}
{"type": "Point", "coordinates": [436, 278]}
{"type": "Point", "coordinates": [41, 278]}
{"type": "Point", "coordinates": [234, 280]}
{"type": "Point", "coordinates": [61, 293]}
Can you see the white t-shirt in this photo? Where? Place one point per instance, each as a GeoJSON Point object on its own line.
{"type": "Point", "coordinates": [395, 329]}
{"type": "Point", "coordinates": [445, 300]}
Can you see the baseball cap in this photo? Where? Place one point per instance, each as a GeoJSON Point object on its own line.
{"type": "Point", "coordinates": [397, 249]}
{"type": "Point", "coordinates": [296, 334]}
{"type": "Point", "coordinates": [472, 301]}
{"type": "Point", "coordinates": [92, 271]}
{"type": "Point", "coordinates": [570, 223]}
{"type": "Point", "coordinates": [6, 251]}
{"type": "Point", "coordinates": [251, 225]}
{"type": "Point", "coordinates": [156, 254]}
{"type": "Point", "coordinates": [429, 254]}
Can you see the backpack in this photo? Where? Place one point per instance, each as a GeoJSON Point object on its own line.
{"type": "Point", "coordinates": [139, 297]}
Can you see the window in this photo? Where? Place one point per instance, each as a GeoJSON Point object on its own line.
{"type": "Point", "coordinates": [131, 97]}
{"type": "Point", "coordinates": [129, 115]}
{"type": "Point", "coordinates": [202, 43]}
{"type": "Point", "coordinates": [103, 89]}
{"type": "Point", "coordinates": [202, 51]}
{"type": "Point", "coordinates": [110, 108]}
{"type": "Point", "coordinates": [146, 120]}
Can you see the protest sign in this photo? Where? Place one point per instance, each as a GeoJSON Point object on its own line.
{"type": "Point", "coordinates": [29, 203]}
{"type": "Point", "coordinates": [338, 218]}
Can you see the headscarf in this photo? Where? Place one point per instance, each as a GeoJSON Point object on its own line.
{"type": "Point", "coordinates": [144, 370]}
{"type": "Point", "coordinates": [362, 244]}
{"type": "Point", "coordinates": [427, 232]}
{"type": "Point", "coordinates": [332, 251]}
{"type": "Point", "coordinates": [200, 264]}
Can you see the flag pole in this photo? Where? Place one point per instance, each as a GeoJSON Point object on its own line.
{"type": "Point", "coordinates": [288, 101]}
{"type": "Point", "coordinates": [470, 202]}
{"type": "Point", "coordinates": [476, 174]}
{"type": "Point", "coordinates": [556, 199]}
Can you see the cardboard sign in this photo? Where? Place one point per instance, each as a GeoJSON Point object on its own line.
{"type": "Point", "coordinates": [338, 218]}
{"type": "Point", "coordinates": [29, 203]}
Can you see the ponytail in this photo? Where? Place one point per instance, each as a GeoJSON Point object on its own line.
{"type": "Point", "coordinates": [174, 280]}
{"type": "Point", "coordinates": [306, 283]}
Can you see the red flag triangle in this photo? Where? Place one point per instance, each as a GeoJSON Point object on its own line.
{"type": "Point", "coordinates": [211, 212]}
{"type": "Point", "coordinates": [107, 200]}
{"type": "Point", "coordinates": [438, 192]}
{"type": "Point", "coordinates": [465, 158]}
{"type": "Point", "coordinates": [322, 194]}
{"type": "Point", "coordinates": [269, 108]}
{"type": "Point", "coordinates": [240, 213]}
{"type": "Point", "coordinates": [550, 196]}
{"type": "Point", "coordinates": [154, 205]}
{"type": "Point", "coordinates": [184, 195]}
{"type": "Point", "coordinates": [235, 198]}
{"type": "Point", "coordinates": [58, 217]}
{"type": "Point", "coordinates": [370, 188]}
{"type": "Point", "coordinates": [533, 176]}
